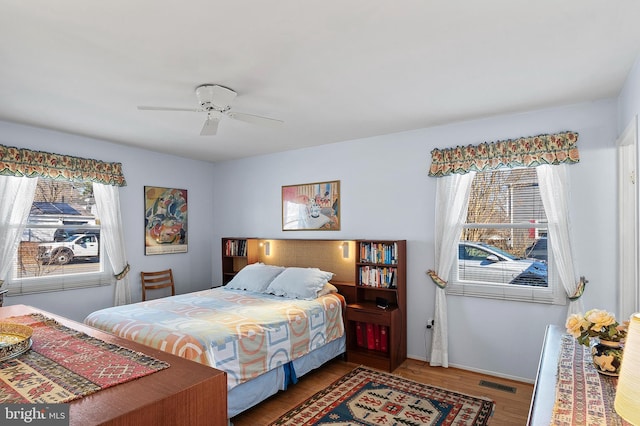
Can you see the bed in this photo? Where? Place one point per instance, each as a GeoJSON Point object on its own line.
{"type": "Point", "coordinates": [262, 334]}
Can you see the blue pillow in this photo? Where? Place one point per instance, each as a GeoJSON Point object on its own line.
{"type": "Point", "coordinates": [299, 283]}
{"type": "Point", "coordinates": [255, 277]}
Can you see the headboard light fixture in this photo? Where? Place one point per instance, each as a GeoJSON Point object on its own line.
{"type": "Point", "coordinates": [267, 248]}
{"type": "Point", "coordinates": [345, 249]}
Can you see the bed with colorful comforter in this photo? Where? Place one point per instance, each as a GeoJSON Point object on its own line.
{"type": "Point", "coordinates": [244, 333]}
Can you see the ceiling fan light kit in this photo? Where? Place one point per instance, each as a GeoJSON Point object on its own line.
{"type": "Point", "coordinates": [216, 101]}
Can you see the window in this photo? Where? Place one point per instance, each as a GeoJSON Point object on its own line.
{"type": "Point", "coordinates": [61, 246]}
{"type": "Point", "coordinates": [503, 248]}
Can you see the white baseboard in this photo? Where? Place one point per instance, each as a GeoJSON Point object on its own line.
{"type": "Point", "coordinates": [477, 370]}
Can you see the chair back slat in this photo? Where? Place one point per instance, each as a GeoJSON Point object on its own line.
{"type": "Point", "coordinates": [156, 280]}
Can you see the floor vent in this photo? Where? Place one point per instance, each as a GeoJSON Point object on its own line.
{"type": "Point", "coordinates": [498, 386]}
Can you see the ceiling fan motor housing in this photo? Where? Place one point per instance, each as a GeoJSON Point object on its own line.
{"type": "Point", "coordinates": [213, 97]}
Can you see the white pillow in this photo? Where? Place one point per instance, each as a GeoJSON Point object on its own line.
{"type": "Point", "coordinates": [299, 283]}
{"type": "Point", "coordinates": [255, 277]}
{"type": "Point", "coordinates": [326, 289]}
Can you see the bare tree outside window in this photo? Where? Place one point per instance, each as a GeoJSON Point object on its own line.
{"type": "Point", "coordinates": [505, 198]}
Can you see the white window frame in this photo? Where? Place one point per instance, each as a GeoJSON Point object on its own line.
{"type": "Point", "coordinates": [552, 294]}
{"type": "Point", "coordinates": [60, 282]}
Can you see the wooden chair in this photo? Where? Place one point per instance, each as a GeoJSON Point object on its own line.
{"type": "Point", "coordinates": [157, 280]}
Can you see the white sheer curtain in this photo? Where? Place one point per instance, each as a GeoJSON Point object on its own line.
{"type": "Point", "coordinates": [16, 197]}
{"type": "Point", "coordinates": [452, 199]}
{"type": "Point", "coordinates": [108, 206]}
{"type": "Point", "coordinates": [554, 190]}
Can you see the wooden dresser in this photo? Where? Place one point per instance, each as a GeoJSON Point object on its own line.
{"type": "Point", "coordinates": [186, 393]}
{"type": "Point", "coordinates": [568, 389]}
{"type": "Point", "coordinates": [544, 391]}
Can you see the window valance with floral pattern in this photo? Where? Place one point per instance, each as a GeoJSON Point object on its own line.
{"type": "Point", "coordinates": [24, 162]}
{"type": "Point", "coordinates": [523, 152]}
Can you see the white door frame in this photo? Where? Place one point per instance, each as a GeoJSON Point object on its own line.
{"type": "Point", "coordinates": [628, 227]}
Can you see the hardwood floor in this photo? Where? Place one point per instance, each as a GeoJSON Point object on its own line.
{"type": "Point", "coordinates": [511, 408]}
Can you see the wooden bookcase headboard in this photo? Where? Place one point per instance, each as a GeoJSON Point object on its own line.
{"type": "Point", "coordinates": [327, 255]}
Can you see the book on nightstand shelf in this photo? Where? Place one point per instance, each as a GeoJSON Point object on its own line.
{"type": "Point", "coordinates": [383, 338]}
{"type": "Point", "coordinates": [371, 339]}
{"type": "Point", "coordinates": [360, 333]}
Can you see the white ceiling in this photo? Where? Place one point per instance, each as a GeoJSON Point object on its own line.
{"type": "Point", "coordinates": [332, 70]}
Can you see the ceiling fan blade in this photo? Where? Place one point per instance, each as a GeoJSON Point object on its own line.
{"type": "Point", "coordinates": [154, 108]}
{"type": "Point", "coordinates": [255, 119]}
{"type": "Point", "coordinates": [210, 127]}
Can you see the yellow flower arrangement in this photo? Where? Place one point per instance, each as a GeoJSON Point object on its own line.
{"type": "Point", "coordinates": [595, 323]}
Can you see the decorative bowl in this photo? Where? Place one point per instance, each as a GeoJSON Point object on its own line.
{"type": "Point", "coordinates": [15, 339]}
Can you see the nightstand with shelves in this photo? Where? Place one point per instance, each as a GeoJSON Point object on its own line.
{"type": "Point", "coordinates": [376, 315]}
{"type": "Point", "coordinates": [236, 254]}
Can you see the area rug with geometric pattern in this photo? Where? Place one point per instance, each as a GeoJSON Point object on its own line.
{"type": "Point", "coordinates": [370, 397]}
{"type": "Point", "coordinates": [65, 364]}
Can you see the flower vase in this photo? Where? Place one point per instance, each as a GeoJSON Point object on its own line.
{"type": "Point", "coordinates": [607, 357]}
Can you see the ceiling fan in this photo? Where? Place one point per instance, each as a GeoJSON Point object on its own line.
{"type": "Point", "coordinates": [216, 101]}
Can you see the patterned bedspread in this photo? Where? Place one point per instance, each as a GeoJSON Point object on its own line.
{"type": "Point", "coordinates": [243, 333]}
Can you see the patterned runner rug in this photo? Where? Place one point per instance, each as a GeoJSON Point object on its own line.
{"type": "Point", "coordinates": [64, 364]}
{"type": "Point", "coordinates": [368, 397]}
{"type": "Point", "coordinates": [583, 396]}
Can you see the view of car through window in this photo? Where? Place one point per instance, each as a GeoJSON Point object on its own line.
{"type": "Point", "coordinates": [481, 262]}
{"type": "Point", "coordinates": [62, 234]}
{"type": "Point", "coordinates": [79, 246]}
{"type": "Point", "coordinates": [538, 250]}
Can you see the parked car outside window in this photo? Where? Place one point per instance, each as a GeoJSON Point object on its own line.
{"type": "Point", "coordinates": [538, 250]}
{"type": "Point", "coordinates": [62, 234]}
{"type": "Point", "coordinates": [79, 246]}
{"type": "Point", "coordinates": [485, 263]}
